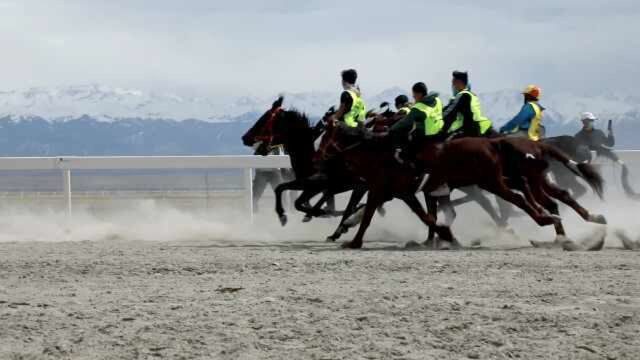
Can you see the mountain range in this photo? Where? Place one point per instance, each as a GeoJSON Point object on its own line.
{"type": "Point", "coordinates": [102, 120]}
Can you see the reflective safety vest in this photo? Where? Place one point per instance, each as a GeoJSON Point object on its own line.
{"type": "Point", "coordinates": [483, 122]}
{"type": "Point", "coordinates": [358, 112]}
{"type": "Point", "coordinates": [536, 131]}
{"type": "Point", "coordinates": [433, 121]}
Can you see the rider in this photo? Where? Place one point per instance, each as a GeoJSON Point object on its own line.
{"type": "Point", "coordinates": [352, 109]}
{"type": "Point", "coordinates": [463, 115]}
{"type": "Point", "coordinates": [528, 122]}
{"type": "Point", "coordinates": [352, 112]}
{"type": "Point", "coordinates": [423, 122]}
{"type": "Point", "coordinates": [593, 138]}
{"type": "Point", "coordinates": [403, 105]}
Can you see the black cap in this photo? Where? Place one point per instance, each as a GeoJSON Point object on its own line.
{"type": "Point", "coordinates": [402, 99]}
{"type": "Point", "coordinates": [420, 88]}
{"type": "Point", "coordinates": [462, 76]}
{"type": "Point", "coordinates": [350, 76]}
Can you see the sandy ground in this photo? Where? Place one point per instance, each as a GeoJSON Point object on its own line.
{"type": "Point", "coordinates": [210, 299]}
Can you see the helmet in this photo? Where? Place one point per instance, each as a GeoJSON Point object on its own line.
{"type": "Point", "coordinates": [533, 90]}
{"type": "Point", "coordinates": [588, 116]}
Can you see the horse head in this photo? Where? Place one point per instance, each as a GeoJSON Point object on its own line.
{"type": "Point", "coordinates": [260, 132]}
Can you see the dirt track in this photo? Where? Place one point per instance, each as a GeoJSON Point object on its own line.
{"type": "Point", "coordinates": [116, 299]}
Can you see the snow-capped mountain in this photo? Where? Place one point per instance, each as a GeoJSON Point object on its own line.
{"type": "Point", "coordinates": [99, 120]}
{"type": "Point", "coordinates": [108, 103]}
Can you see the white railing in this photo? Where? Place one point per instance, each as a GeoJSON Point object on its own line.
{"type": "Point", "coordinates": [66, 164]}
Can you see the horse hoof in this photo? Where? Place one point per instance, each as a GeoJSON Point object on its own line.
{"type": "Point", "coordinates": [445, 246]}
{"type": "Point", "coordinates": [332, 238]}
{"type": "Point", "coordinates": [283, 220]}
{"type": "Point", "coordinates": [597, 219]}
{"type": "Point", "coordinates": [351, 245]}
{"type": "Point", "coordinates": [307, 219]}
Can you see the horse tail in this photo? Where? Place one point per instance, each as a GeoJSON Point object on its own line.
{"type": "Point", "coordinates": [583, 170]}
{"type": "Point", "coordinates": [628, 190]}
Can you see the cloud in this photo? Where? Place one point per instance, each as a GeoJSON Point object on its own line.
{"type": "Point", "coordinates": [262, 47]}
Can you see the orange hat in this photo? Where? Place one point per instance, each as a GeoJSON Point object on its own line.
{"type": "Point", "coordinates": [533, 90]}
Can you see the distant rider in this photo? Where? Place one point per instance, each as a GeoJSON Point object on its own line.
{"type": "Point", "coordinates": [595, 139]}
{"type": "Point", "coordinates": [528, 122]}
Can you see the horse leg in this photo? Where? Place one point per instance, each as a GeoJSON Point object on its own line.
{"type": "Point", "coordinates": [374, 200]}
{"type": "Point", "coordinates": [476, 195]}
{"type": "Point", "coordinates": [317, 208]}
{"type": "Point", "coordinates": [292, 185]}
{"type": "Point", "coordinates": [535, 189]}
{"type": "Point", "coordinates": [567, 199]}
{"type": "Point", "coordinates": [331, 204]}
{"type": "Point", "coordinates": [499, 188]}
{"type": "Point", "coordinates": [355, 198]}
{"type": "Point", "coordinates": [302, 202]}
{"type": "Point", "coordinates": [443, 232]}
{"type": "Point", "coordinates": [432, 209]}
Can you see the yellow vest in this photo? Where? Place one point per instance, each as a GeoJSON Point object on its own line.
{"type": "Point", "coordinates": [535, 129]}
{"type": "Point", "coordinates": [358, 113]}
{"type": "Point", "coordinates": [433, 121]}
{"type": "Point", "coordinates": [483, 122]}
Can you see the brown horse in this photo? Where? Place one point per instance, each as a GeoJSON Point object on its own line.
{"type": "Point", "coordinates": [523, 165]}
{"type": "Point", "coordinates": [463, 162]}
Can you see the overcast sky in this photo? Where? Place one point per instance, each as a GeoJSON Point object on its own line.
{"type": "Point", "coordinates": [263, 47]}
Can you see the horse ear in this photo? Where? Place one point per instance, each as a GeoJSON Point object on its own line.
{"type": "Point", "coordinates": [278, 103]}
{"type": "Point", "coordinates": [384, 104]}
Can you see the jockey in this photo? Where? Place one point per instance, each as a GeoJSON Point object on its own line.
{"type": "Point", "coordinates": [352, 112]}
{"type": "Point", "coordinates": [352, 109]}
{"type": "Point", "coordinates": [528, 122]}
{"type": "Point", "coordinates": [403, 105]}
{"type": "Point", "coordinates": [463, 115]}
{"type": "Point", "coordinates": [595, 139]}
{"type": "Point", "coordinates": [423, 122]}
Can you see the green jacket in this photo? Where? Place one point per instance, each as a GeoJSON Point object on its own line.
{"type": "Point", "coordinates": [401, 129]}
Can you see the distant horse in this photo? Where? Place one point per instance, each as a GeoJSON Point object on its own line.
{"type": "Point", "coordinates": [581, 153]}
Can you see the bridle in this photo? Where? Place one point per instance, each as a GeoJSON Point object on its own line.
{"type": "Point", "coordinates": [267, 132]}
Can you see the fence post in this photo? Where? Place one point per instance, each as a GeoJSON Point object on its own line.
{"type": "Point", "coordinates": [248, 185]}
{"type": "Point", "coordinates": [67, 188]}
